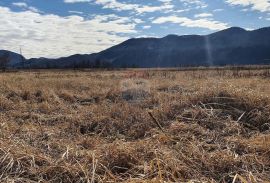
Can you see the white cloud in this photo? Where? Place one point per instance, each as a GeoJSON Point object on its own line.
{"type": "Point", "coordinates": [75, 12]}
{"type": "Point", "coordinates": [249, 29]}
{"type": "Point", "coordinates": [187, 22]}
{"type": "Point", "coordinates": [198, 3]}
{"type": "Point", "coordinates": [120, 6]}
{"type": "Point", "coordinates": [166, 1]}
{"type": "Point", "coordinates": [218, 10]}
{"type": "Point", "coordinates": [20, 4]}
{"type": "Point", "coordinates": [203, 15]}
{"type": "Point", "coordinates": [138, 21]}
{"type": "Point", "coordinates": [53, 36]}
{"type": "Point", "coordinates": [33, 9]}
{"type": "Point", "coordinates": [25, 6]}
{"type": "Point", "coordinates": [143, 9]}
{"type": "Point", "coordinates": [259, 5]}
{"type": "Point", "coordinates": [146, 27]}
{"type": "Point", "coordinates": [244, 10]}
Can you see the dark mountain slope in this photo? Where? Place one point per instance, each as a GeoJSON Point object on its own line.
{"type": "Point", "coordinates": [233, 46]}
{"type": "Point", "coordinates": [14, 58]}
{"type": "Point", "coordinates": [73, 61]}
{"type": "Point", "coordinates": [228, 47]}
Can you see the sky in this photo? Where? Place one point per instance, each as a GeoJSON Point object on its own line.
{"type": "Point", "coordinates": [57, 28]}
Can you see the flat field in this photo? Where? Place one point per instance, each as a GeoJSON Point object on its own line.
{"type": "Point", "coordinates": [135, 125]}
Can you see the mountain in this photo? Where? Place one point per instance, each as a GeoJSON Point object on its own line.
{"type": "Point", "coordinates": [14, 58]}
{"type": "Point", "coordinates": [73, 61]}
{"type": "Point", "coordinates": [233, 46]}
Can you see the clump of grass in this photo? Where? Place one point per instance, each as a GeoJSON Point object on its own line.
{"type": "Point", "coordinates": [65, 95]}
{"type": "Point", "coordinates": [251, 112]}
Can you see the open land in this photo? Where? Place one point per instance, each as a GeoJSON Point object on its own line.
{"type": "Point", "coordinates": [135, 125]}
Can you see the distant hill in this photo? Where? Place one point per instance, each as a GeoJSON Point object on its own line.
{"type": "Point", "coordinates": [15, 58]}
{"type": "Point", "coordinates": [73, 61]}
{"type": "Point", "coordinates": [233, 46]}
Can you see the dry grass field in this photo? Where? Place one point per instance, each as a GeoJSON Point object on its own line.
{"type": "Point", "coordinates": [135, 126]}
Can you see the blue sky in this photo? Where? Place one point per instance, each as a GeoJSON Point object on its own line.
{"type": "Point", "coordinates": [55, 28]}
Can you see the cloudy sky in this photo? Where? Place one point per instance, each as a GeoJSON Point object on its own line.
{"type": "Point", "coordinates": [55, 28]}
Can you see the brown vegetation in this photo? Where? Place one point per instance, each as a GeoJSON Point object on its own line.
{"type": "Point", "coordinates": [135, 126]}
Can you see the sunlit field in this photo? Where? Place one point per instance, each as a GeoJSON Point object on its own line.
{"type": "Point", "coordinates": [135, 125]}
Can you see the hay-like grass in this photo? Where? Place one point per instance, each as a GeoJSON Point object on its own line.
{"type": "Point", "coordinates": [135, 126]}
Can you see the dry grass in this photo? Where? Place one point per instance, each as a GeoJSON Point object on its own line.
{"type": "Point", "coordinates": [135, 126]}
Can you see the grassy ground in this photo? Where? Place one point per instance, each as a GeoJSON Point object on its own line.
{"type": "Point", "coordinates": [135, 126]}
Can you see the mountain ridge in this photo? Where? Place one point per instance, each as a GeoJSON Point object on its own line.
{"type": "Point", "coordinates": [232, 46]}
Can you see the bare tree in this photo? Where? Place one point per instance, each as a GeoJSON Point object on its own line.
{"type": "Point", "coordinates": [4, 59]}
